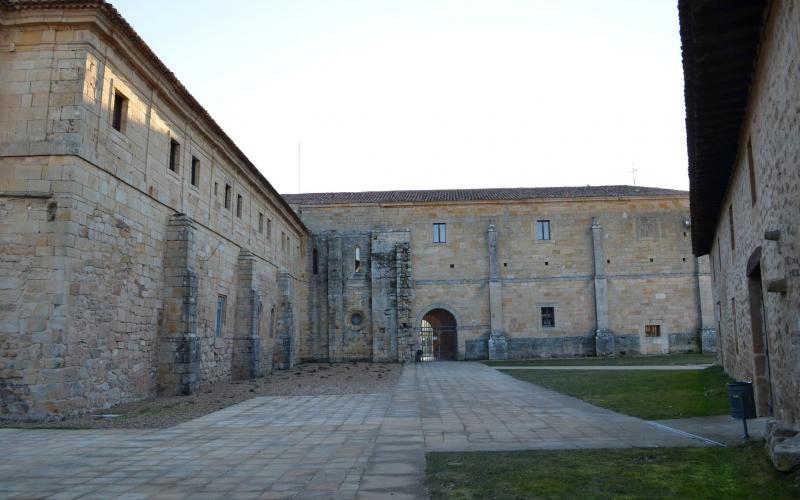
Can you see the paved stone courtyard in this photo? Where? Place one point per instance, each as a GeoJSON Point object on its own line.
{"type": "Point", "coordinates": [344, 446]}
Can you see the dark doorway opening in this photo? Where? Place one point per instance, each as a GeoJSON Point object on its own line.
{"type": "Point", "coordinates": [758, 326]}
{"type": "Point", "coordinates": [439, 336]}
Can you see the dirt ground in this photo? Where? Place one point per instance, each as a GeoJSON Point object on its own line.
{"type": "Point", "coordinates": [304, 380]}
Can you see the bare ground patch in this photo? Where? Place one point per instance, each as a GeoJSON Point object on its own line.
{"type": "Point", "coordinates": [309, 379]}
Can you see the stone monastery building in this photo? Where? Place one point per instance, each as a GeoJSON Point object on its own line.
{"type": "Point", "coordinates": [141, 251]}
{"type": "Point", "coordinates": [742, 85]}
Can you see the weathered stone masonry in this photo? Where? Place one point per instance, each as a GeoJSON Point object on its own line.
{"type": "Point", "coordinates": [360, 309]}
{"type": "Point", "coordinates": [112, 264]}
{"type": "Point", "coordinates": [614, 265]}
{"type": "Point", "coordinates": [745, 193]}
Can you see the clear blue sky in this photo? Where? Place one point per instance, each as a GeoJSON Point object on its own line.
{"type": "Point", "coordinates": [433, 94]}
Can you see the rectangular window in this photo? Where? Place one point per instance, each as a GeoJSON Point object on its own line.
{"type": "Point", "coordinates": [730, 222]}
{"type": "Point", "coordinates": [174, 155]}
{"type": "Point", "coordinates": [543, 230]}
{"type": "Point", "coordinates": [269, 229]}
{"type": "Point", "coordinates": [260, 223]}
{"type": "Point", "coordinates": [735, 326]}
{"type": "Point", "coordinates": [439, 232]}
{"type": "Point", "coordinates": [648, 227]}
{"type": "Point", "coordinates": [752, 169]}
{"type": "Point", "coordinates": [652, 330]}
{"type": "Point", "coordinates": [119, 112]}
{"type": "Point", "coordinates": [222, 301]}
{"type": "Point", "coordinates": [239, 206]}
{"type": "Point", "coordinates": [194, 178]}
{"type": "Point", "coordinates": [548, 317]}
{"type": "Point", "coordinates": [227, 201]}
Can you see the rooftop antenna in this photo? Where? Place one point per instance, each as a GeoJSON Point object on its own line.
{"type": "Point", "coordinates": [633, 171]}
{"type": "Point", "coordinates": [299, 163]}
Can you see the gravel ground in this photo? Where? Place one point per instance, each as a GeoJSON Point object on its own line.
{"type": "Point", "coordinates": [304, 380]}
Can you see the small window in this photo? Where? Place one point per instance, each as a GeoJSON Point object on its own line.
{"type": "Point", "coordinates": [269, 229]}
{"type": "Point", "coordinates": [357, 263]}
{"type": "Point", "coordinates": [648, 228]}
{"type": "Point", "coordinates": [174, 155]}
{"type": "Point", "coordinates": [272, 322]}
{"type": "Point", "coordinates": [548, 317]}
{"type": "Point", "coordinates": [194, 178]}
{"type": "Point", "coordinates": [283, 241]}
{"type": "Point", "coordinates": [215, 189]}
{"type": "Point", "coordinates": [260, 223]}
{"type": "Point", "coordinates": [315, 261]}
{"type": "Point", "coordinates": [222, 301]}
{"type": "Point", "coordinates": [730, 223]}
{"type": "Point", "coordinates": [439, 232]}
{"type": "Point", "coordinates": [120, 112]}
{"type": "Point", "coordinates": [239, 206]}
{"type": "Point", "coordinates": [543, 230]}
{"type": "Point", "coordinates": [227, 201]}
{"type": "Point", "coordinates": [652, 330]}
{"type": "Point", "coordinates": [752, 169]}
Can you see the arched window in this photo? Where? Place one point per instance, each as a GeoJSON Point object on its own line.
{"type": "Point", "coordinates": [314, 261]}
{"type": "Point", "coordinates": [357, 265]}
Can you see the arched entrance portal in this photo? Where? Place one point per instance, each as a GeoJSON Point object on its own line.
{"type": "Point", "coordinates": [438, 336]}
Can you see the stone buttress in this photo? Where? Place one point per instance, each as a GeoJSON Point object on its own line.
{"type": "Point", "coordinates": [179, 352]}
{"type": "Point", "coordinates": [247, 346]}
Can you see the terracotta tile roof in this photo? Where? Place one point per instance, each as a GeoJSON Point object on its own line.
{"type": "Point", "coordinates": [494, 194]}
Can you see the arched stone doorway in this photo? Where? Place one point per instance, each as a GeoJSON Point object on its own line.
{"type": "Point", "coordinates": [438, 333]}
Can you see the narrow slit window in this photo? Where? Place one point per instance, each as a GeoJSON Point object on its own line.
{"type": "Point", "coordinates": [730, 223]}
{"type": "Point", "coordinates": [194, 178]}
{"type": "Point", "coordinates": [239, 204]}
{"type": "Point", "coordinates": [222, 301]}
{"type": "Point", "coordinates": [315, 261]}
{"type": "Point", "coordinates": [548, 317]}
{"type": "Point", "coordinates": [269, 229]}
{"type": "Point", "coordinates": [120, 112]}
{"type": "Point", "coordinates": [260, 223]}
{"type": "Point", "coordinates": [543, 230]}
{"type": "Point", "coordinates": [174, 155]}
{"type": "Point", "coordinates": [357, 263]}
{"type": "Point", "coordinates": [439, 232]}
{"type": "Point", "coordinates": [752, 170]}
{"type": "Point", "coordinates": [227, 200]}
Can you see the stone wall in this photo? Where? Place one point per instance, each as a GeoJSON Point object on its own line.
{"type": "Point", "coordinates": [652, 277]}
{"type": "Point", "coordinates": [360, 307]}
{"type": "Point", "coordinates": [771, 127]}
{"type": "Point", "coordinates": [125, 260]}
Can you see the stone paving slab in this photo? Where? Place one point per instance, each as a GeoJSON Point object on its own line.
{"type": "Point", "coordinates": [606, 367]}
{"type": "Point", "coordinates": [721, 428]}
{"type": "Point", "coordinates": [331, 447]}
{"type": "Point", "coordinates": [472, 407]}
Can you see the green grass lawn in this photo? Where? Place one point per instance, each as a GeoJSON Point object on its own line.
{"type": "Point", "coordinates": [741, 472]}
{"type": "Point", "coordinates": [652, 395]}
{"type": "Point", "coordinates": [666, 359]}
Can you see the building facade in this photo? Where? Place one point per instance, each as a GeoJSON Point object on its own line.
{"type": "Point", "coordinates": [503, 273]}
{"type": "Point", "coordinates": [140, 250]}
{"type": "Point", "coordinates": [743, 123]}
